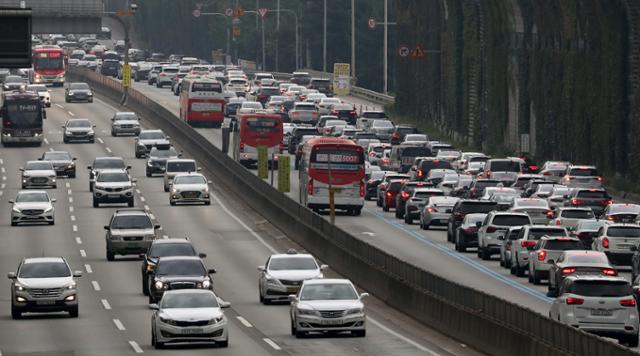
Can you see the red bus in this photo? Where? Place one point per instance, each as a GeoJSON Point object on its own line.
{"type": "Point", "coordinates": [201, 102]}
{"type": "Point", "coordinates": [336, 160]}
{"type": "Point", "coordinates": [48, 65]}
{"type": "Point", "coordinates": [258, 129]}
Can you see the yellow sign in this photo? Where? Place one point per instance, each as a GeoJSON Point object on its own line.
{"type": "Point", "coordinates": [263, 162]}
{"type": "Point", "coordinates": [284, 186]}
{"type": "Point", "coordinates": [123, 13]}
{"type": "Point", "coordinates": [126, 75]}
{"type": "Point", "coordinates": [236, 31]}
{"type": "Point", "coordinates": [341, 79]}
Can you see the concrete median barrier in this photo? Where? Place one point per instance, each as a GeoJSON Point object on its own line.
{"type": "Point", "coordinates": [485, 322]}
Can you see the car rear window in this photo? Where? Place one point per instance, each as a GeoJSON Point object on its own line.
{"type": "Point", "coordinates": [511, 220]}
{"type": "Point", "coordinates": [434, 164]}
{"type": "Point", "coordinates": [425, 195]}
{"type": "Point", "coordinates": [537, 233]}
{"type": "Point", "coordinates": [414, 151]}
{"type": "Point", "coordinates": [181, 166]}
{"type": "Point", "coordinates": [406, 130]}
{"type": "Point", "coordinates": [563, 245]}
{"type": "Point", "coordinates": [601, 288]}
{"type": "Point", "coordinates": [505, 166]}
{"type": "Point", "coordinates": [593, 194]}
{"type": "Point", "coordinates": [626, 231]}
{"type": "Point", "coordinates": [584, 172]}
{"type": "Point", "coordinates": [374, 115]}
{"type": "Point", "coordinates": [477, 207]}
{"type": "Point", "coordinates": [577, 214]}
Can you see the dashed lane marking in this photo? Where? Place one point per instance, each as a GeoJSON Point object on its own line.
{"type": "Point", "coordinates": [46, 142]}
{"type": "Point", "coordinates": [165, 236]}
{"type": "Point", "coordinates": [153, 217]}
{"type": "Point", "coordinates": [72, 217]}
{"type": "Point", "coordinates": [100, 140]}
{"type": "Point", "coordinates": [96, 286]}
{"type": "Point", "coordinates": [69, 192]}
{"type": "Point", "coordinates": [108, 149]}
{"type": "Point", "coordinates": [70, 199]}
{"type": "Point", "coordinates": [75, 228]}
{"type": "Point", "coordinates": [272, 344]}
{"type": "Point", "coordinates": [105, 304]}
{"type": "Point", "coordinates": [60, 106]}
{"type": "Point", "coordinates": [142, 199]}
{"type": "Point", "coordinates": [2, 170]}
{"type": "Point", "coordinates": [71, 209]}
{"type": "Point", "coordinates": [138, 191]}
{"type": "Point", "coordinates": [134, 345]}
{"type": "Point", "coordinates": [4, 177]}
{"type": "Point", "coordinates": [244, 321]}
{"type": "Point", "coordinates": [3, 185]}
{"type": "Point", "coordinates": [67, 184]}
{"type": "Point", "coordinates": [70, 113]}
{"type": "Point", "coordinates": [146, 207]}
{"type": "Point", "coordinates": [119, 325]}
{"type": "Point", "coordinates": [78, 240]}
{"type": "Point", "coordinates": [83, 253]}
{"type": "Point", "coordinates": [88, 268]}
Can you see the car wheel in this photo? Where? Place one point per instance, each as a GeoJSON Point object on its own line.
{"type": "Point", "coordinates": [359, 333]}
{"type": "Point", "coordinates": [519, 270]}
{"type": "Point", "coordinates": [15, 313]}
{"type": "Point", "coordinates": [385, 208]}
{"type": "Point", "coordinates": [293, 328]}
{"type": "Point", "coordinates": [408, 220]}
{"type": "Point", "coordinates": [73, 312]}
{"type": "Point", "coordinates": [485, 254]}
{"type": "Point", "coordinates": [52, 222]}
{"type": "Point", "coordinates": [13, 223]}
{"type": "Point", "coordinates": [151, 299]}
{"type": "Point", "coordinates": [632, 340]}
{"type": "Point", "coordinates": [379, 202]}
{"type": "Point", "coordinates": [158, 345]}
{"type": "Point", "coordinates": [300, 334]}
{"type": "Point", "coordinates": [512, 269]}
{"type": "Point", "coordinates": [357, 211]}
{"type": "Point", "coordinates": [166, 188]}
{"type": "Point", "coordinates": [72, 174]}
{"type": "Point", "coordinates": [113, 133]}
{"type": "Point", "coordinates": [535, 278]}
{"type": "Point", "coordinates": [111, 256]}
{"type": "Point", "coordinates": [96, 204]}
{"type": "Point", "coordinates": [65, 140]}
{"type": "Point", "coordinates": [130, 203]}
{"type": "Point", "coordinates": [172, 203]}
{"type": "Point", "coordinates": [501, 261]}
{"type": "Point", "coordinates": [145, 285]}
{"type": "Point", "coordinates": [148, 174]}
{"type": "Point", "coordinates": [54, 186]}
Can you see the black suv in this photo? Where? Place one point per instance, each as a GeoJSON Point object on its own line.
{"type": "Point", "coordinates": [464, 207]}
{"type": "Point", "coordinates": [179, 272]}
{"type": "Point", "coordinates": [163, 248]}
{"type": "Point", "coordinates": [158, 157]}
{"type": "Point", "coordinates": [322, 85]}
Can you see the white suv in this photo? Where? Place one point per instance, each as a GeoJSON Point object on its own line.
{"type": "Point", "coordinates": [491, 232]}
{"type": "Point", "coordinates": [616, 240]}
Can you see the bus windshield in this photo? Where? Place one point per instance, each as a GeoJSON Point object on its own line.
{"type": "Point", "coordinates": [48, 61]}
{"type": "Point", "coordinates": [22, 115]}
{"type": "Point", "coordinates": [340, 159]}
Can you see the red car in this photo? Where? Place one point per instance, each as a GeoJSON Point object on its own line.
{"type": "Point", "coordinates": [391, 190]}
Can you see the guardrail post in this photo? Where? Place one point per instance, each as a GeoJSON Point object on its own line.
{"type": "Point", "coordinates": [225, 139]}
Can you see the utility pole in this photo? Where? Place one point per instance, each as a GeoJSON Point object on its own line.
{"type": "Point", "coordinates": [386, 34]}
{"type": "Point", "coordinates": [353, 38]}
{"type": "Point", "coordinates": [278, 35]}
{"type": "Point", "coordinates": [324, 38]}
{"type": "Point", "coordinates": [264, 58]}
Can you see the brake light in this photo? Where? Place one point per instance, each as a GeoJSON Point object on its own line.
{"type": "Point", "coordinates": [599, 179]}
{"type": "Point", "coordinates": [526, 243]}
{"type": "Point", "coordinates": [362, 188]}
{"type": "Point", "coordinates": [432, 210]}
{"type": "Point", "coordinates": [241, 146]}
{"type": "Point", "coordinates": [491, 229]}
{"type": "Point", "coordinates": [334, 113]}
{"type": "Point", "coordinates": [605, 242]}
{"type": "Point", "coordinates": [574, 301]}
{"type": "Point", "coordinates": [550, 214]}
{"type": "Point", "coordinates": [386, 160]}
{"type": "Point", "coordinates": [281, 147]}
{"type": "Point", "coordinates": [372, 154]}
{"type": "Point", "coordinates": [404, 195]}
{"type": "Point", "coordinates": [353, 112]}
{"type": "Point", "coordinates": [310, 187]}
{"type": "Point", "coordinates": [546, 173]}
{"type": "Point", "coordinates": [609, 272]}
{"type": "Point", "coordinates": [296, 113]}
{"type": "Point", "coordinates": [558, 223]}
{"type": "Point", "coordinates": [607, 202]}
{"type": "Point", "coordinates": [611, 218]}
{"type": "Point", "coordinates": [533, 168]}
{"type": "Point", "coordinates": [420, 173]}
{"type": "Point", "coordinates": [628, 302]}
{"type": "Point", "coordinates": [575, 201]}
{"type": "Point", "coordinates": [568, 270]}
{"type": "Point", "coordinates": [542, 254]}
{"type": "Point", "coordinates": [389, 194]}
{"type": "Point", "coordinates": [471, 230]}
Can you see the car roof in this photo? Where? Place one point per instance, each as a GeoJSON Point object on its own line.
{"type": "Point", "coordinates": [181, 160]}
{"type": "Point", "coordinates": [327, 281]}
{"type": "Point", "coordinates": [180, 258]}
{"type": "Point", "coordinates": [621, 225]}
{"type": "Point", "coordinates": [31, 191]}
{"type": "Point", "coordinates": [189, 291]}
{"type": "Point", "coordinates": [173, 240]}
{"type": "Point", "coordinates": [130, 212]}
{"type": "Point", "coordinates": [510, 213]}
{"type": "Point", "coordinates": [43, 259]}
{"type": "Point", "coordinates": [595, 277]}
{"type": "Point", "coordinates": [292, 255]}
{"type": "Point", "coordinates": [109, 158]}
{"type": "Point", "coordinates": [114, 170]}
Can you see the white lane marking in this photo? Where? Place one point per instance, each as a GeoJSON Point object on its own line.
{"type": "Point", "coordinates": [60, 106]}
{"type": "Point", "coordinates": [2, 169]}
{"type": "Point", "coordinates": [50, 149]}
{"type": "Point", "coordinates": [119, 325]}
{"type": "Point", "coordinates": [142, 199]}
{"type": "Point", "coordinates": [402, 337]}
{"type": "Point", "coordinates": [100, 140]}
{"type": "Point", "coordinates": [1, 161]}
{"type": "Point", "coordinates": [4, 177]}
{"type": "Point", "coordinates": [70, 113]}
{"type": "Point", "coordinates": [83, 253]}
{"type": "Point", "coordinates": [105, 304]}
{"type": "Point", "coordinates": [46, 142]}
{"type": "Point", "coordinates": [134, 345]}
{"type": "Point", "coordinates": [244, 321]}
{"type": "Point", "coordinates": [138, 191]}
{"type": "Point", "coordinates": [67, 184]}
{"type": "Point", "coordinates": [96, 286]}
{"type": "Point", "coordinates": [88, 268]}
{"type": "Point", "coordinates": [3, 185]}
{"type": "Point", "coordinates": [146, 207]}
{"type": "Point", "coordinates": [153, 217]}
{"type": "Point", "coordinates": [73, 217]}
{"type": "Point", "coordinates": [78, 240]}
{"type": "Point", "coordinates": [1, 192]}
{"type": "Point", "coordinates": [71, 209]}
{"type": "Point", "coordinates": [165, 236]}
{"type": "Point", "coordinates": [70, 199]}
{"type": "Point", "coordinates": [368, 233]}
{"type": "Point", "coordinates": [272, 344]}
{"type": "Point", "coordinates": [69, 192]}
{"type": "Point", "coordinates": [237, 219]}
{"type": "Point", "coordinates": [75, 228]}
{"type": "Point", "coordinates": [108, 149]}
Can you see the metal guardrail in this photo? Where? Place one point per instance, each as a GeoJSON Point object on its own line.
{"type": "Point", "coordinates": [488, 323]}
{"type": "Point", "coordinates": [62, 8]}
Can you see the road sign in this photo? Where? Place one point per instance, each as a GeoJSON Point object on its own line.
{"type": "Point", "coordinates": [263, 162]}
{"type": "Point", "coordinates": [239, 12]}
{"type": "Point", "coordinates": [236, 31]}
{"type": "Point", "coordinates": [126, 75]}
{"type": "Point", "coordinates": [403, 51]}
{"type": "Point", "coordinates": [341, 79]}
{"type": "Point", "coordinates": [262, 11]}
{"type": "Point", "coordinates": [124, 13]}
{"type": "Point", "coordinates": [284, 186]}
{"type": "Point", "coordinates": [228, 12]}
{"type": "Point", "coordinates": [371, 23]}
{"type": "Point", "coordinates": [196, 13]}
{"type": "Point", "coordinates": [417, 52]}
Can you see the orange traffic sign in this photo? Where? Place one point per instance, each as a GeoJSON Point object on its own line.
{"type": "Point", "coordinates": [124, 13]}
{"type": "Point", "coordinates": [417, 52]}
{"type": "Point", "coordinates": [236, 31]}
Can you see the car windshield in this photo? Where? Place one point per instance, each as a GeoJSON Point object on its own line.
{"type": "Point", "coordinates": [601, 288]}
{"type": "Point", "coordinates": [131, 222]}
{"type": "Point", "coordinates": [624, 208]}
{"type": "Point", "coordinates": [181, 166]}
{"type": "Point", "coordinates": [505, 166]}
{"type": "Point", "coordinates": [189, 180]}
{"type": "Point", "coordinates": [38, 166]}
{"type": "Point", "coordinates": [108, 164]}
{"type": "Point", "coordinates": [171, 249]}
{"type": "Point", "coordinates": [587, 258]}
{"type": "Point", "coordinates": [193, 300]}
{"type": "Point", "coordinates": [251, 105]}
{"type": "Point", "coordinates": [163, 153]}
{"type": "Point", "coordinates": [13, 79]}
{"type": "Point", "coordinates": [292, 263]}
{"type": "Point", "coordinates": [151, 136]}
{"type": "Point", "coordinates": [44, 270]}
{"type": "Point", "coordinates": [328, 291]}
{"type": "Point", "coordinates": [79, 86]}
{"type": "Point", "coordinates": [623, 231]}
{"type": "Point", "coordinates": [181, 268]}
{"type": "Point", "coordinates": [57, 156]}
{"type": "Point", "coordinates": [113, 177]}
{"type": "Point", "coordinates": [32, 197]}
{"type": "Point", "coordinates": [592, 194]}
{"type": "Point", "coordinates": [382, 124]}
{"type": "Point", "coordinates": [577, 214]}
{"type": "Point", "coordinates": [477, 207]}
{"type": "Point", "coordinates": [374, 115]}
{"type": "Point", "coordinates": [126, 116]}
{"type": "Point", "coordinates": [584, 172]}
{"type": "Point", "coordinates": [79, 123]}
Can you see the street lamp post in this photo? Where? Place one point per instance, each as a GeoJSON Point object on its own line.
{"type": "Point", "coordinates": [353, 38]}
{"type": "Point", "coordinates": [324, 37]}
{"type": "Point", "coordinates": [228, 30]}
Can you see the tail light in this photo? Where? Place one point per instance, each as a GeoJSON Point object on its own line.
{"type": "Point", "coordinates": [607, 202]}
{"type": "Point", "coordinates": [241, 146]}
{"type": "Point", "coordinates": [362, 189]}
{"type": "Point", "coordinates": [395, 135]}
{"type": "Point", "coordinates": [491, 229]}
{"type": "Point", "coordinates": [575, 201]}
{"type": "Point", "coordinates": [609, 272]}
{"type": "Point", "coordinates": [546, 174]}
{"type": "Point", "coordinates": [404, 195]}
{"type": "Point", "coordinates": [558, 222]}
{"type": "Point", "coordinates": [432, 210]}
{"type": "Point", "coordinates": [533, 168]}
{"type": "Point", "coordinates": [542, 254]}
{"type": "Point", "coordinates": [605, 242]}
{"type": "Point", "coordinates": [281, 147]}
{"type": "Point", "coordinates": [568, 270]}
{"type": "Point", "coordinates": [527, 243]}
{"type": "Point", "coordinates": [389, 194]}
{"type": "Point", "coordinates": [420, 173]}
{"type": "Point", "coordinates": [550, 214]}
{"type": "Point", "coordinates": [471, 230]}
{"type": "Point", "coordinates": [310, 187]}
{"type": "Point", "coordinates": [611, 218]}
{"type": "Point", "coordinates": [628, 302]}
{"type": "Point", "coordinates": [386, 161]}
{"type": "Point", "coordinates": [334, 113]}
{"type": "Point", "coordinates": [599, 179]}
{"type": "Point", "coordinates": [353, 113]}
{"type": "Point", "coordinates": [574, 301]}
{"type": "Point", "coordinates": [372, 154]}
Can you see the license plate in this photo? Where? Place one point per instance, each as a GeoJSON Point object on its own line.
{"type": "Point", "coordinates": [114, 196]}
{"type": "Point", "coordinates": [292, 289]}
{"type": "Point", "coordinates": [601, 312]}
{"type": "Point", "coordinates": [332, 322]}
{"type": "Point", "coordinates": [45, 302]}
{"type": "Point", "coordinates": [189, 331]}
{"type": "Point", "coordinates": [132, 245]}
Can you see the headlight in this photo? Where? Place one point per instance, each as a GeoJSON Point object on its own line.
{"type": "Point", "coordinates": [206, 189]}
{"type": "Point", "coordinates": [218, 319]}
{"type": "Point", "coordinates": [307, 312]}
{"type": "Point", "coordinates": [174, 191]}
{"type": "Point", "coordinates": [150, 267]}
{"type": "Point", "coordinates": [206, 284]}
{"type": "Point", "coordinates": [90, 132]}
{"type": "Point", "coordinates": [19, 287]}
{"type": "Point", "coordinates": [71, 93]}
{"type": "Point", "coordinates": [355, 311]}
{"type": "Point", "coordinates": [271, 279]}
{"type": "Point", "coordinates": [90, 94]}
{"type": "Point", "coordinates": [70, 166]}
{"type": "Point", "coordinates": [72, 286]}
{"type": "Point", "coordinates": [15, 210]}
{"type": "Point", "coordinates": [49, 209]}
{"type": "Point", "coordinates": [159, 285]}
{"type": "Point", "coordinates": [149, 164]}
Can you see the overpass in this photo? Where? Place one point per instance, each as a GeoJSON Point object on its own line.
{"type": "Point", "coordinates": [62, 16]}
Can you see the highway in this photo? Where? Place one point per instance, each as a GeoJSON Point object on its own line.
{"type": "Point", "coordinates": [114, 315]}
{"type": "Point", "coordinates": [426, 249]}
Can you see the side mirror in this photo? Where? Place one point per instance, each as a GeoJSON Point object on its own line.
{"type": "Point", "coordinates": [209, 182]}
{"type": "Point", "coordinates": [224, 304]}
{"type": "Point", "coordinates": [94, 125]}
{"type": "Point", "coordinates": [501, 237]}
{"type": "Point", "coordinates": [74, 159]}
{"type": "Point", "coordinates": [551, 262]}
{"type": "Point", "coordinates": [106, 227]}
{"type": "Point", "coordinates": [62, 126]}
{"type": "Point", "coordinates": [202, 255]}
{"type": "Point", "coordinates": [154, 306]}
{"type": "Point", "coordinates": [324, 267]}
{"type": "Point", "coordinates": [157, 226]}
{"type": "Point", "coordinates": [11, 202]}
{"type": "Point", "coordinates": [363, 295]}
{"type": "Point", "coordinates": [142, 255]}
{"type": "Point", "coordinates": [128, 167]}
{"type": "Point", "coordinates": [199, 169]}
{"type": "Point", "coordinates": [261, 268]}
{"type": "Point", "coordinates": [12, 275]}
{"type": "Point", "coordinates": [54, 200]}
{"type": "Point", "coordinates": [40, 159]}
{"type": "Point", "coordinates": [21, 169]}
{"type": "Point", "coordinates": [293, 298]}
{"type": "Point", "coordinates": [89, 167]}
{"type": "Point", "coordinates": [134, 180]}
{"type": "Point", "coordinates": [77, 274]}
{"type": "Point", "coordinates": [211, 271]}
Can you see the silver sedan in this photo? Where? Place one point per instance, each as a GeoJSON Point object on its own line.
{"type": "Point", "coordinates": [31, 206]}
{"type": "Point", "coordinates": [190, 188]}
{"type": "Point", "coordinates": [38, 174]}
